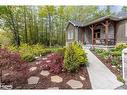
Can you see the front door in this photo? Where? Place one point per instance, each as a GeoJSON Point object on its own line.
{"type": "Point", "coordinates": [96, 36]}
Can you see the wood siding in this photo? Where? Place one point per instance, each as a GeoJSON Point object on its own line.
{"type": "Point", "coordinates": [120, 29]}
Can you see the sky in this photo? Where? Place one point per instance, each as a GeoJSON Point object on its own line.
{"type": "Point", "coordinates": [113, 8]}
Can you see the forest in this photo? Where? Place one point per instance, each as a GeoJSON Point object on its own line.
{"type": "Point", "coordinates": [43, 24]}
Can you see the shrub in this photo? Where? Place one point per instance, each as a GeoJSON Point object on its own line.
{"type": "Point", "coordinates": [121, 46]}
{"type": "Point", "coordinates": [74, 57]}
{"type": "Point", "coordinates": [56, 64]}
{"type": "Point", "coordinates": [116, 53]}
{"type": "Point", "coordinates": [29, 52]}
{"type": "Point", "coordinates": [98, 51]}
{"type": "Point", "coordinates": [10, 60]}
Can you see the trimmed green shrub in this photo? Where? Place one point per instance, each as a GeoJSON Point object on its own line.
{"type": "Point", "coordinates": [74, 57]}
{"type": "Point", "coordinates": [121, 46]}
{"type": "Point", "coordinates": [29, 52]}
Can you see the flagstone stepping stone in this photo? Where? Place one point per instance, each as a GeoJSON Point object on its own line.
{"type": "Point", "coordinates": [33, 80]}
{"type": "Point", "coordinates": [53, 88]}
{"type": "Point", "coordinates": [45, 58]}
{"type": "Point", "coordinates": [56, 79]}
{"type": "Point", "coordinates": [48, 61]}
{"type": "Point", "coordinates": [82, 78]}
{"type": "Point", "coordinates": [6, 74]}
{"type": "Point", "coordinates": [39, 62]}
{"type": "Point", "coordinates": [32, 68]}
{"type": "Point", "coordinates": [75, 84]}
{"type": "Point", "coordinates": [44, 73]}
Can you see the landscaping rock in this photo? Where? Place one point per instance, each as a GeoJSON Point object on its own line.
{"type": "Point", "coordinates": [82, 78]}
{"type": "Point", "coordinates": [33, 80]}
{"type": "Point", "coordinates": [32, 69]}
{"type": "Point", "coordinates": [45, 58]}
{"type": "Point", "coordinates": [44, 73]}
{"type": "Point", "coordinates": [75, 84]}
{"type": "Point", "coordinates": [6, 74]}
{"type": "Point", "coordinates": [56, 79]}
{"type": "Point", "coordinates": [39, 62]}
{"type": "Point", "coordinates": [48, 61]}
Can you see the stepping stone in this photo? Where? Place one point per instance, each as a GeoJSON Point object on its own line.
{"type": "Point", "coordinates": [82, 78]}
{"type": "Point", "coordinates": [53, 88]}
{"type": "Point", "coordinates": [56, 79]}
{"type": "Point", "coordinates": [36, 57]}
{"type": "Point", "coordinates": [44, 73]}
{"type": "Point", "coordinates": [33, 80]}
{"type": "Point", "coordinates": [38, 62]}
{"type": "Point", "coordinates": [6, 74]}
{"type": "Point", "coordinates": [44, 58]}
{"type": "Point", "coordinates": [32, 68]}
{"type": "Point", "coordinates": [48, 61]}
{"type": "Point", "coordinates": [75, 84]}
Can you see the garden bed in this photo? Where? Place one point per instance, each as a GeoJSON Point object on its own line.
{"type": "Point", "coordinates": [40, 74]}
{"type": "Point", "coordinates": [107, 63]}
{"type": "Point", "coordinates": [45, 81]}
{"type": "Point", "coordinates": [112, 59]}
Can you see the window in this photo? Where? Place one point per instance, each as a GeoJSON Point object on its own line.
{"type": "Point", "coordinates": [70, 35]}
{"type": "Point", "coordinates": [126, 29]}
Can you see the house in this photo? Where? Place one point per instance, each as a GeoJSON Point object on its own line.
{"type": "Point", "coordinates": [108, 30]}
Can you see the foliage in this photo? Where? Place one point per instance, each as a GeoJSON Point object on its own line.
{"type": "Point", "coordinates": [74, 57]}
{"type": "Point", "coordinates": [55, 65]}
{"type": "Point", "coordinates": [29, 52]}
{"type": "Point", "coordinates": [9, 59]}
{"type": "Point", "coordinates": [115, 61]}
{"type": "Point", "coordinates": [121, 46]}
{"type": "Point", "coordinates": [61, 51]}
{"type": "Point", "coordinates": [103, 53]}
{"type": "Point", "coordinates": [120, 78]}
{"type": "Point", "coordinates": [5, 38]}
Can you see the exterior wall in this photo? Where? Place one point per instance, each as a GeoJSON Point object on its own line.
{"type": "Point", "coordinates": [120, 30]}
{"type": "Point", "coordinates": [75, 34]}
{"type": "Point", "coordinates": [111, 32]}
{"type": "Point", "coordinates": [87, 36]}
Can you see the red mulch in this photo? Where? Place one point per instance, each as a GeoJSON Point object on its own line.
{"type": "Point", "coordinates": [19, 79]}
{"type": "Point", "coordinates": [107, 63]}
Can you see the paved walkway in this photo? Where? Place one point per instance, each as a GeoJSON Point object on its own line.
{"type": "Point", "coordinates": [100, 76]}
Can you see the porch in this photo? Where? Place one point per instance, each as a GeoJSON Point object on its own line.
{"type": "Point", "coordinates": [101, 32]}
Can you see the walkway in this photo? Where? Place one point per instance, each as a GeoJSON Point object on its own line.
{"type": "Point", "coordinates": [100, 76]}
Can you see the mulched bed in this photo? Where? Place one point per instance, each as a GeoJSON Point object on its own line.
{"type": "Point", "coordinates": [108, 64]}
{"type": "Point", "coordinates": [45, 82]}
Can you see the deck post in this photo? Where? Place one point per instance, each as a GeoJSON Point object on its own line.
{"type": "Point", "coordinates": [92, 29]}
{"type": "Point", "coordinates": [106, 25]}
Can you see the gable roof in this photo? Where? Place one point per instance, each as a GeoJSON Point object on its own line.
{"type": "Point", "coordinates": [81, 24]}
{"type": "Point", "coordinates": [77, 23]}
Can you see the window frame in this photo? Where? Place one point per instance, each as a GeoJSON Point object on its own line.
{"type": "Point", "coordinates": [70, 35]}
